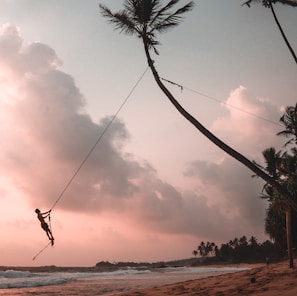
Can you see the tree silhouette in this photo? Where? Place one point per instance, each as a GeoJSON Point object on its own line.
{"type": "Point", "coordinates": [282, 167]}
{"type": "Point", "coordinates": [270, 4]}
{"type": "Point", "coordinates": [146, 18]}
{"type": "Point", "coordinates": [244, 250]}
{"type": "Point", "coordinates": [206, 249]}
{"type": "Point", "coordinates": [289, 120]}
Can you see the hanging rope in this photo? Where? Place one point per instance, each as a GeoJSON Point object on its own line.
{"type": "Point", "coordinates": [47, 245]}
{"type": "Point", "coordinates": [88, 155]}
{"type": "Point", "coordinates": [182, 87]}
{"type": "Point", "coordinates": [98, 140]}
{"type": "Point", "coordinates": [174, 83]}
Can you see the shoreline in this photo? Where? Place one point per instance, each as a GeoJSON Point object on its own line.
{"type": "Point", "coordinates": [95, 269]}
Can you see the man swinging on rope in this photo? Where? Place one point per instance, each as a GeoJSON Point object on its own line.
{"type": "Point", "coordinates": [44, 225]}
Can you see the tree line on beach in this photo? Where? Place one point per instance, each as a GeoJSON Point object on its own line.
{"type": "Point", "coordinates": [239, 250]}
{"type": "Point", "coordinates": [146, 19]}
{"type": "Point", "coordinates": [281, 165]}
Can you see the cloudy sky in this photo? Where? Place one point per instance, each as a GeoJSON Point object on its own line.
{"type": "Point", "coordinates": [153, 188]}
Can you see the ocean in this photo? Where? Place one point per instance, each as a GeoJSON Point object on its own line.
{"type": "Point", "coordinates": [13, 282]}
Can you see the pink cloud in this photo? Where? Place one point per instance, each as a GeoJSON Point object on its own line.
{"type": "Point", "coordinates": [252, 122]}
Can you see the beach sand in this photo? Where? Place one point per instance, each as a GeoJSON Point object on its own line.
{"type": "Point", "coordinates": [265, 280]}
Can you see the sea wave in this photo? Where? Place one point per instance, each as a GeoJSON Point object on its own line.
{"type": "Point", "coordinates": [14, 274]}
{"type": "Point", "coordinates": [26, 279]}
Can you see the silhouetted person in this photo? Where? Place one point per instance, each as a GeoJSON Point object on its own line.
{"type": "Point", "coordinates": [44, 225]}
{"type": "Point", "coordinates": [267, 260]}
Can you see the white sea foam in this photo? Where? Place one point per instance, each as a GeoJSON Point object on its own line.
{"type": "Point", "coordinates": [22, 279]}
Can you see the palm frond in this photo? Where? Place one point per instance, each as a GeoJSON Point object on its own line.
{"type": "Point", "coordinates": [160, 13]}
{"type": "Point", "coordinates": [288, 2]}
{"type": "Point", "coordinates": [289, 120]}
{"type": "Point", "coordinates": [267, 3]}
{"type": "Point", "coordinates": [168, 21]}
{"type": "Point", "coordinates": [120, 20]}
{"type": "Point", "coordinates": [141, 10]}
{"type": "Point", "coordinates": [145, 17]}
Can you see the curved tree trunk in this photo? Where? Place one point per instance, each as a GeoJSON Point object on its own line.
{"type": "Point", "coordinates": [229, 150]}
{"type": "Point", "coordinates": [283, 33]}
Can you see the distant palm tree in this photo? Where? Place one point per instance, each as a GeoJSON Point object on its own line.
{"type": "Point", "coordinates": [146, 18]}
{"type": "Point", "coordinates": [289, 120]}
{"type": "Point", "coordinates": [202, 249]}
{"type": "Point", "coordinates": [253, 241]}
{"type": "Point", "coordinates": [282, 167]}
{"type": "Point", "coordinates": [269, 4]}
{"type": "Point", "coordinates": [234, 243]}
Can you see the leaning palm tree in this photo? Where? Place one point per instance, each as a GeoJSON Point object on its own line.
{"type": "Point", "coordinates": [269, 4]}
{"type": "Point", "coordinates": [147, 18]}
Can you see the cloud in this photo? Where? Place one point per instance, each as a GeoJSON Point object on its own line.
{"type": "Point", "coordinates": [228, 184]}
{"type": "Point", "coordinates": [46, 134]}
{"type": "Point", "coordinates": [252, 122]}
{"type": "Point", "coordinates": [234, 193]}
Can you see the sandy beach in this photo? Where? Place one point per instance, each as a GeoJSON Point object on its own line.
{"type": "Point", "coordinates": [265, 280]}
{"type": "Point", "coordinates": [261, 279]}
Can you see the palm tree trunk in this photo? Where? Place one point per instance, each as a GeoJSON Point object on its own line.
{"type": "Point", "coordinates": [230, 151]}
{"type": "Point", "coordinates": [289, 236]}
{"type": "Point", "coordinates": [288, 210]}
{"type": "Point", "coordinates": [283, 34]}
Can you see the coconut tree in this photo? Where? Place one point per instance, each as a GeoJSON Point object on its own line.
{"type": "Point", "coordinates": [281, 167]}
{"type": "Point", "coordinates": [270, 4]}
{"type": "Point", "coordinates": [289, 120]}
{"type": "Point", "coordinates": [148, 18]}
{"type": "Point", "coordinates": [202, 249]}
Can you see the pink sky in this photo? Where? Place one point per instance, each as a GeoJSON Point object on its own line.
{"type": "Point", "coordinates": [121, 206]}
